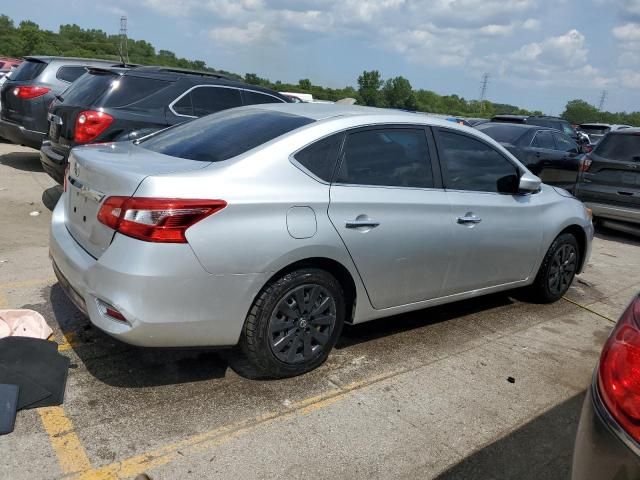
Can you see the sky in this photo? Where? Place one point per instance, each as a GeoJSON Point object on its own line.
{"type": "Point", "coordinates": [538, 53]}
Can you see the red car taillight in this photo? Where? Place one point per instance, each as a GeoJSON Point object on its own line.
{"type": "Point", "coordinates": [156, 219]}
{"type": "Point", "coordinates": [29, 92]}
{"type": "Point", "coordinates": [585, 163]}
{"type": "Point", "coordinates": [90, 124]}
{"type": "Point", "coordinates": [619, 371]}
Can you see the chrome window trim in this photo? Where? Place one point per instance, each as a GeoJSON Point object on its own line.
{"type": "Point", "coordinates": [216, 86]}
{"type": "Point", "coordinates": [534, 138]}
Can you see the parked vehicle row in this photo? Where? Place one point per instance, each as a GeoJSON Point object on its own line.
{"type": "Point", "coordinates": [598, 130]}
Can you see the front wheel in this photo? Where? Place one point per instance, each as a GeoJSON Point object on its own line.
{"type": "Point", "coordinates": [293, 324]}
{"type": "Point", "coordinates": [557, 270]}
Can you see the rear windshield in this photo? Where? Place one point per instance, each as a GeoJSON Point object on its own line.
{"type": "Point", "coordinates": [623, 147]}
{"type": "Point", "coordinates": [502, 132]}
{"type": "Point", "coordinates": [106, 89]}
{"type": "Point", "coordinates": [595, 129]}
{"type": "Point", "coordinates": [28, 70]}
{"type": "Point", "coordinates": [224, 135]}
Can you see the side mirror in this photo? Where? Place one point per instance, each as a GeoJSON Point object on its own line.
{"type": "Point", "coordinates": [529, 183]}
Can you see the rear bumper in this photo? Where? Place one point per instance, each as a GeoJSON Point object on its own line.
{"type": "Point", "coordinates": [600, 453]}
{"type": "Point", "coordinates": [18, 134]}
{"type": "Point", "coordinates": [614, 212]}
{"type": "Point", "coordinates": [165, 294]}
{"type": "Point", "coordinates": [53, 163]}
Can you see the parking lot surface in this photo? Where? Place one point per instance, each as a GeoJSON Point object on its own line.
{"type": "Point", "coordinates": [488, 388]}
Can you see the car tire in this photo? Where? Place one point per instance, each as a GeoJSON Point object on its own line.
{"type": "Point", "coordinates": [558, 269]}
{"type": "Point", "coordinates": [293, 324]}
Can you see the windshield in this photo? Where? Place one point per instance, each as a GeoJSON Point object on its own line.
{"type": "Point", "coordinates": [223, 135]}
{"type": "Point", "coordinates": [28, 70]}
{"type": "Point", "coordinates": [502, 132]}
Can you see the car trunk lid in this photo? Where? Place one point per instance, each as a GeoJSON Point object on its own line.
{"type": "Point", "coordinates": [17, 109]}
{"type": "Point", "coordinates": [99, 171]}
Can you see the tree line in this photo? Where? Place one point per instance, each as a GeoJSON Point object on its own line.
{"type": "Point", "coordinates": [27, 38]}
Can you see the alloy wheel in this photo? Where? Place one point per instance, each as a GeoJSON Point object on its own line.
{"type": "Point", "coordinates": [562, 269]}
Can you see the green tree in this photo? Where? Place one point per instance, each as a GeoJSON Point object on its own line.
{"type": "Point", "coordinates": [305, 84]}
{"type": "Point", "coordinates": [369, 84]}
{"type": "Point", "coordinates": [579, 111]}
{"type": "Point", "coordinates": [398, 93]}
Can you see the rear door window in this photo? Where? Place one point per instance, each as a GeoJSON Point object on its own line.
{"type": "Point", "coordinates": [111, 90]}
{"type": "Point", "coordinates": [622, 147]}
{"type": "Point", "coordinates": [565, 144]}
{"type": "Point", "coordinates": [469, 164]}
{"type": "Point", "coordinates": [28, 70]}
{"type": "Point", "coordinates": [394, 157]}
{"type": "Point", "coordinates": [255, 98]}
{"type": "Point", "coordinates": [320, 157]}
{"type": "Point", "coordinates": [543, 139]}
{"type": "Point", "coordinates": [204, 100]}
{"type": "Point", "coordinates": [70, 73]}
{"type": "Point", "coordinates": [224, 135]}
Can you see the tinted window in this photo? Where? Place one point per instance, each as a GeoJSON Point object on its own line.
{"type": "Point", "coordinates": [202, 101]}
{"type": "Point", "coordinates": [320, 157]}
{"type": "Point", "coordinates": [390, 157]}
{"type": "Point", "coordinates": [28, 70]}
{"type": "Point", "coordinates": [184, 106]}
{"type": "Point", "coordinates": [595, 129]}
{"type": "Point", "coordinates": [110, 90]}
{"type": "Point", "coordinates": [70, 74]}
{"type": "Point", "coordinates": [625, 148]}
{"type": "Point", "coordinates": [254, 98]}
{"type": "Point", "coordinates": [565, 144]}
{"type": "Point", "coordinates": [544, 139]}
{"type": "Point", "coordinates": [224, 135]}
{"type": "Point", "coordinates": [502, 132]}
{"type": "Point", "coordinates": [469, 164]}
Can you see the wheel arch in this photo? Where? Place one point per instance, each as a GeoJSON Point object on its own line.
{"type": "Point", "coordinates": [581, 237]}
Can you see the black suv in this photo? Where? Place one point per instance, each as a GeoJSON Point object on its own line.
{"type": "Point", "coordinates": [114, 104]}
{"type": "Point", "coordinates": [610, 181]}
{"type": "Point", "coordinates": [27, 94]}
{"type": "Point", "coordinates": [541, 121]}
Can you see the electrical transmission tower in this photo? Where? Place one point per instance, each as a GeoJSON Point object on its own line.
{"type": "Point", "coordinates": [124, 47]}
{"type": "Point", "coordinates": [603, 97]}
{"type": "Point", "coordinates": [483, 86]}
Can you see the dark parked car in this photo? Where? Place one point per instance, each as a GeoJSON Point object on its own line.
{"type": "Point", "coordinates": [541, 121]}
{"type": "Point", "coordinates": [113, 104]}
{"type": "Point", "coordinates": [474, 122]}
{"type": "Point", "coordinates": [608, 440]}
{"type": "Point", "coordinates": [598, 130]}
{"type": "Point", "coordinates": [27, 94]}
{"type": "Point", "coordinates": [546, 152]}
{"type": "Point", "coordinates": [610, 182]}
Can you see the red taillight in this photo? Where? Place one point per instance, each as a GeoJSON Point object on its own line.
{"type": "Point", "coordinates": [156, 219]}
{"type": "Point", "coordinates": [90, 124]}
{"type": "Point", "coordinates": [585, 163]}
{"type": "Point", "coordinates": [619, 371]}
{"type": "Point", "coordinates": [29, 92]}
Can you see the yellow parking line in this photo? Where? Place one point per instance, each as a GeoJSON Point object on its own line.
{"type": "Point", "coordinates": [4, 303]}
{"type": "Point", "coordinates": [590, 310]}
{"type": "Point", "coordinates": [27, 283]}
{"type": "Point", "coordinates": [72, 456]}
{"type": "Point", "coordinates": [67, 342]}
{"type": "Point", "coordinates": [166, 454]}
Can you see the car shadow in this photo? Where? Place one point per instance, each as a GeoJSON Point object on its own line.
{"type": "Point", "coordinates": [606, 233]}
{"type": "Point", "coordinates": [121, 365]}
{"type": "Point", "coordinates": [51, 195]}
{"type": "Point", "coordinates": [542, 448]}
{"type": "Point", "coordinates": [25, 161]}
{"type": "Point", "coordinates": [387, 326]}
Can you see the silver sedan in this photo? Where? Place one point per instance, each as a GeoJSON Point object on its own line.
{"type": "Point", "coordinates": [269, 227]}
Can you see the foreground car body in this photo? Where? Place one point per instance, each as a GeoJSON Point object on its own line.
{"type": "Point", "coordinates": [272, 225]}
{"type": "Point", "coordinates": [607, 443]}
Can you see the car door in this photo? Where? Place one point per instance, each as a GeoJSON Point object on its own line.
{"type": "Point", "coordinates": [541, 155]}
{"type": "Point", "coordinates": [387, 204]}
{"type": "Point", "coordinates": [565, 170]}
{"type": "Point", "coordinates": [497, 232]}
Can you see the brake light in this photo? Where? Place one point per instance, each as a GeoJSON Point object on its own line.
{"type": "Point", "coordinates": [29, 92]}
{"type": "Point", "coordinates": [156, 219]}
{"type": "Point", "coordinates": [619, 371]}
{"type": "Point", "coordinates": [585, 163]}
{"type": "Point", "coordinates": [90, 124]}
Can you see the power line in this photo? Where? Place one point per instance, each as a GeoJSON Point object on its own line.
{"type": "Point", "coordinates": [603, 97]}
{"type": "Point", "coordinates": [483, 86]}
{"type": "Point", "coordinates": [124, 47]}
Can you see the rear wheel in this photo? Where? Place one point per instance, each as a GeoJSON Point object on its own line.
{"type": "Point", "coordinates": [293, 324]}
{"type": "Point", "coordinates": [557, 270]}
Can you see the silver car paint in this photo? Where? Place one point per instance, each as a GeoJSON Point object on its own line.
{"type": "Point", "coordinates": [199, 293]}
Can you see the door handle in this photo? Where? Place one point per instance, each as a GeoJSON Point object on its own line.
{"type": "Point", "coordinates": [469, 218]}
{"type": "Point", "coordinates": [361, 224]}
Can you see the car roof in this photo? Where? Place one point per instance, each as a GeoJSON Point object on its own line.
{"type": "Point", "coordinates": [521, 126]}
{"type": "Point", "coordinates": [506, 115]}
{"type": "Point", "coordinates": [48, 59]}
{"type": "Point", "coordinates": [590, 124]}
{"type": "Point", "coordinates": [323, 111]}
{"type": "Point", "coordinates": [626, 131]}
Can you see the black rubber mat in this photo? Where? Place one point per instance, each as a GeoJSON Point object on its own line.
{"type": "Point", "coordinates": [38, 361]}
{"type": "Point", "coordinates": [30, 391]}
{"type": "Point", "coordinates": [8, 407]}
